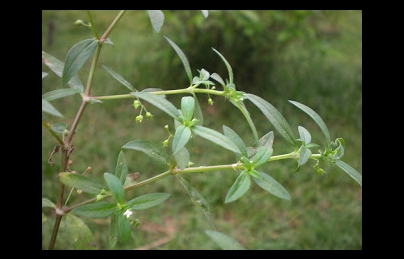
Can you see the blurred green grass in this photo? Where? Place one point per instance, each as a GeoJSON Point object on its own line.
{"type": "Point", "coordinates": [325, 212]}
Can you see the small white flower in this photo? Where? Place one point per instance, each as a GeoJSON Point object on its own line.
{"type": "Point", "coordinates": [127, 213]}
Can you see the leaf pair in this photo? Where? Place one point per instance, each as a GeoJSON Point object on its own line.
{"type": "Point", "coordinates": [259, 154]}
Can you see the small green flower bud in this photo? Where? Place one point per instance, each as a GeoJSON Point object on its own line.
{"type": "Point", "coordinates": [165, 143]}
{"type": "Point", "coordinates": [166, 127]}
{"type": "Point", "coordinates": [100, 197]}
{"type": "Point", "coordinates": [210, 101]}
{"type": "Point", "coordinates": [136, 104]}
{"type": "Point", "coordinates": [320, 171]}
{"type": "Point", "coordinates": [79, 22]}
{"type": "Point", "coordinates": [149, 115]}
{"type": "Point", "coordinates": [139, 118]}
{"type": "Point", "coordinates": [79, 191]}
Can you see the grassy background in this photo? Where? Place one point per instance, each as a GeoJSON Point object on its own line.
{"type": "Point", "coordinates": [325, 212]}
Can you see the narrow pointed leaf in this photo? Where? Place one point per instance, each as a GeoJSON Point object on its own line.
{"type": "Point", "coordinates": [315, 117]}
{"type": "Point", "coordinates": [182, 158]}
{"type": "Point", "coordinates": [218, 78]}
{"type": "Point", "coordinates": [225, 242]}
{"type": "Point", "coordinates": [270, 185]}
{"type": "Point", "coordinates": [181, 138]}
{"type": "Point", "coordinates": [113, 230]}
{"type": "Point", "coordinates": [49, 108]}
{"type": "Point", "coordinates": [244, 111]}
{"type": "Point", "coordinates": [147, 201]}
{"type": "Point", "coordinates": [182, 57]}
{"type": "Point", "coordinates": [350, 171]}
{"type": "Point", "coordinates": [60, 93]}
{"type": "Point", "coordinates": [304, 155]}
{"type": "Point", "coordinates": [304, 135]}
{"type": "Point", "coordinates": [57, 67]}
{"type": "Point", "coordinates": [47, 203]}
{"type": "Point", "coordinates": [187, 107]}
{"type": "Point", "coordinates": [232, 135]}
{"type": "Point", "coordinates": [77, 57]}
{"type": "Point", "coordinates": [81, 182]}
{"type": "Point", "coordinates": [119, 78]}
{"type": "Point", "coordinates": [262, 156]}
{"type": "Point", "coordinates": [161, 103]}
{"type": "Point", "coordinates": [274, 116]}
{"type": "Point", "coordinates": [227, 65]}
{"type": "Point", "coordinates": [239, 187]}
{"type": "Point", "coordinates": [79, 235]}
{"type": "Point", "coordinates": [197, 199]}
{"type": "Point", "coordinates": [95, 210]}
{"type": "Point", "coordinates": [116, 187]}
{"type": "Point", "coordinates": [151, 148]}
{"type": "Point", "coordinates": [121, 169]}
{"type": "Point", "coordinates": [156, 19]}
{"type": "Point", "coordinates": [215, 137]}
{"type": "Point", "coordinates": [125, 229]}
{"type": "Point", "coordinates": [198, 112]}
{"type": "Point", "coordinates": [265, 141]}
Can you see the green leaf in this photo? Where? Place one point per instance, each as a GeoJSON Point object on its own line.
{"type": "Point", "coordinates": [95, 210]}
{"type": "Point", "coordinates": [60, 93]}
{"type": "Point", "coordinates": [187, 107]}
{"type": "Point", "coordinates": [47, 203]}
{"type": "Point", "coordinates": [227, 65]}
{"type": "Point", "coordinates": [265, 141]}
{"type": "Point", "coordinates": [304, 135]}
{"type": "Point", "coordinates": [239, 187]}
{"type": "Point", "coordinates": [339, 150]}
{"type": "Point", "coordinates": [156, 19]}
{"type": "Point", "coordinates": [125, 229]}
{"type": "Point", "coordinates": [197, 199]}
{"type": "Point", "coordinates": [198, 112]}
{"type": "Point", "coordinates": [262, 156]}
{"type": "Point", "coordinates": [244, 111]}
{"type": "Point", "coordinates": [161, 103]}
{"type": "Point", "coordinates": [270, 185]}
{"type": "Point", "coordinates": [79, 235]}
{"type": "Point", "coordinates": [225, 242]}
{"type": "Point", "coordinates": [116, 187]}
{"type": "Point", "coordinates": [59, 127]}
{"type": "Point", "coordinates": [274, 116]}
{"type": "Point", "coordinates": [57, 67]}
{"type": "Point", "coordinates": [304, 155]}
{"type": "Point", "coordinates": [147, 201]}
{"type": "Point", "coordinates": [218, 78]}
{"type": "Point", "coordinates": [215, 137]}
{"type": "Point", "coordinates": [232, 135]}
{"type": "Point", "coordinates": [182, 57]}
{"type": "Point", "coordinates": [76, 57]}
{"type": "Point", "coordinates": [81, 182]}
{"type": "Point", "coordinates": [119, 78]}
{"type": "Point", "coordinates": [113, 230]}
{"type": "Point", "coordinates": [121, 169]}
{"type": "Point", "coordinates": [350, 171]}
{"type": "Point", "coordinates": [44, 74]}
{"type": "Point", "coordinates": [151, 148]}
{"type": "Point", "coordinates": [182, 158]}
{"type": "Point", "coordinates": [49, 108]}
{"type": "Point", "coordinates": [315, 117]}
{"type": "Point", "coordinates": [181, 137]}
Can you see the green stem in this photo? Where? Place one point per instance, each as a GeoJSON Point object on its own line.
{"type": "Point", "coordinates": [189, 170]}
{"type": "Point", "coordinates": [164, 92]}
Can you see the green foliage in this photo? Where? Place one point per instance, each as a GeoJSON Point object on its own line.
{"type": "Point", "coordinates": [109, 200]}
